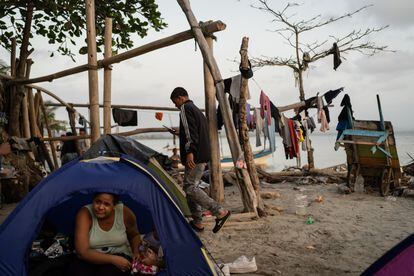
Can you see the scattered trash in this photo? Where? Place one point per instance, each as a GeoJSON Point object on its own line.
{"type": "Point", "coordinates": [343, 189]}
{"type": "Point", "coordinates": [301, 204]}
{"type": "Point", "coordinates": [319, 198]}
{"type": "Point", "coordinates": [310, 220]}
{"type": "Point", "coordinates": [300, 189]}
{"type": "Point", "coordinates": [310, 247]}
{"type": "Point", "coordinates": [269, 195]}
{"type": "Point", "coordinates": [243, 265]}
{"type": "Point", "coordinates": [391, 198]}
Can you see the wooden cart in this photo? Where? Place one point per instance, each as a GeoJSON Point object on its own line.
{"type": "Point", "coordinates": [371, 152]}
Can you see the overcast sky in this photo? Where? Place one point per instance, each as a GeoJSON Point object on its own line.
{"type": "Point", "coordinates": [149, 79]}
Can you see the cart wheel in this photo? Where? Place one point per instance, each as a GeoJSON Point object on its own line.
{"type": "Point", "coordinates": [385, 181]}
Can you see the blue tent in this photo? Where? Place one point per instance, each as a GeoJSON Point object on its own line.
{"type": "Point", "coordinates": [59, 196]}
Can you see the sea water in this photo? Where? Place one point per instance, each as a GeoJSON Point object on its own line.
{"type": "Point", "coordinates": [323, 144]}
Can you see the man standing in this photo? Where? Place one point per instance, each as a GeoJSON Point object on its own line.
{"type": "Point", "coordinates": [195, 153]}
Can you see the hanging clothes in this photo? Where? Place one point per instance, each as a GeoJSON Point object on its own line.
{"type": "Point", "coordinates": [343, 120]}
{"type": "Point", "coordinates": [275, 115]}
{"type": "Point", "coordinates": [232, 86]}
{"type": "Point", "coordinates": [125, 117]}
{"type": "Point", "coordinates": [336, 56]}
{"type": "Point", "coordinates": [332, 94]}
{"type": "Point", "coordinates": [249, 117]}
{"type": "Point", "coordinates": [323, 121]}
{"type": "Point", "coordinates": [264, 106]}
{"type": "Point", "coordinates": [272, 135]}
{"type": "Point", "coordinates": [159, 115]}
{"type": "Point", "coordinates": [259, 126]}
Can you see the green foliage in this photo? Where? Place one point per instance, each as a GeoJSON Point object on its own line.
{"type": "Point", "coordinates": [62, 21]}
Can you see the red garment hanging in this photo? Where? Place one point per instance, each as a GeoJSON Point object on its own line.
{"type": "Point", "coordinates": [159, 115]}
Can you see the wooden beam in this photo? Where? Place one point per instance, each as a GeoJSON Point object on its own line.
{"type": "Point", "coordinates": [92, 71]}
{"type": "Point", "coordinates": [216, 26]}
{"type": "Point", "coordinates": [248, 194]}
{"type": "Point", "coordinates": [128, 106]}
{"type": "Point", "coordinates": [127, 133]}
{"type": "Point", "coordinates": [107, 77]}
{"type": "Point", "coordinates": [25, 108]}
{"type": "Point", "coordinates": [216, 176]}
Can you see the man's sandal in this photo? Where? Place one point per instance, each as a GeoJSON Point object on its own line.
{"type": "Point", "coordinates": [220, 222]}
{"type": "Point", "coordinates": [195, 227]}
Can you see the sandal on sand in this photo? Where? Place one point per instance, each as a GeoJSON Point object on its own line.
{"type": "Point", "coordinates": [195, 227]}
{"type": "Point", "coordinates": [220, 222]}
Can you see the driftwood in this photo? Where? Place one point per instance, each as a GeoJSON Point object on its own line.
{"type": "Point", "coordinates": [216, 177]}
{"type": "Point", "coordinates": [92, 71]}
{"type": "Point", "coordinates": [312, 176]}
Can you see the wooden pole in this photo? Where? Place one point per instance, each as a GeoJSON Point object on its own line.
{"type": "Point", "coordinates": [13, 58]}
{"type": "Point", "coordinates": [155, 45]}
{"type": "Point", "coordinates": [244, 131]}
{"type": "Point", "coordinates": [37, 111]}
{"type": "Point", "coordinates": [25, 110]}
{"type": "Point", "coordinates": [49, 132]}
{"type": "Point", "coordinates": [107, 77]}
{"type": "Point", "coordinates": [247, 191]}
{"type": "Point", "coordinates": [32, 114]}
{"type": "Point", "coordinates": [72, 124]}
{"type": "Point", "coordinates": [92, 72]}
{"type": "Point", "coordinates": [216, 176]}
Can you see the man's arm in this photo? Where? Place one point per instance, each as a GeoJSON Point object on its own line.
{"type": "Point", "coordinates": [191, 128]}
{"type": "Point", "coordinates": [133, 235]}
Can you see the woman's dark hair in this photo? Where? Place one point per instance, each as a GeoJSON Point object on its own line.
{"type": "Point", "coordinates": [177, 92]}
{"type": "Point", "coordinates": [115, 198]}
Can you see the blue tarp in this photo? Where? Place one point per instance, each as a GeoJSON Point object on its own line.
{"type": "Point", "coordinates": [59, 196]}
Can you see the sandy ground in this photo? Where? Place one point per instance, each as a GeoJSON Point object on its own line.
{"type": "Point", "coordinates": [350, 232]}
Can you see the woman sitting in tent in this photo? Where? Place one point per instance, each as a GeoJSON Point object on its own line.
{"type": "Point", "coordinates": [105, 233]}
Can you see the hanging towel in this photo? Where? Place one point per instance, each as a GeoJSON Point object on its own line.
{"type": "Point", "coordinates": [272, 135]}
{"type": "Point", "coordinates": [125, 117]}
{"type": "Point", "coordinates": [324, 122]}
{"type": "Point", "coordinates": [159, 115]}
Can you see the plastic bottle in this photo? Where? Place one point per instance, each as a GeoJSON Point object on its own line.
{"type": "Point", "coordinates": [301, 204]}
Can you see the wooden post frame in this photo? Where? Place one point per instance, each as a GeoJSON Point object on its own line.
{"type": "Point", "coordinates": [247, 191]}
{"type": "Point", "coordinates": [92, 71]}
{"type": "Point", "coordinates": [244, 131]}
{"type": "Point", "coordinates": [107, 77]}
{"type": "Point", "coordinates": [216, 176]}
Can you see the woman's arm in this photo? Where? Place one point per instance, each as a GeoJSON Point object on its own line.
{"type": "Point", "coordinates": [132, 231]}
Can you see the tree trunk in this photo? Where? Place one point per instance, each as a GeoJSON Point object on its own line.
{"type": "Point", "coordinates": [244, 131]}
{"type": "Point", "coordinates": [216, 177]}
{"type": "Point", "coordinates": [311, 163]}
{"type": "Point", "coordinates": [18, 93]}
